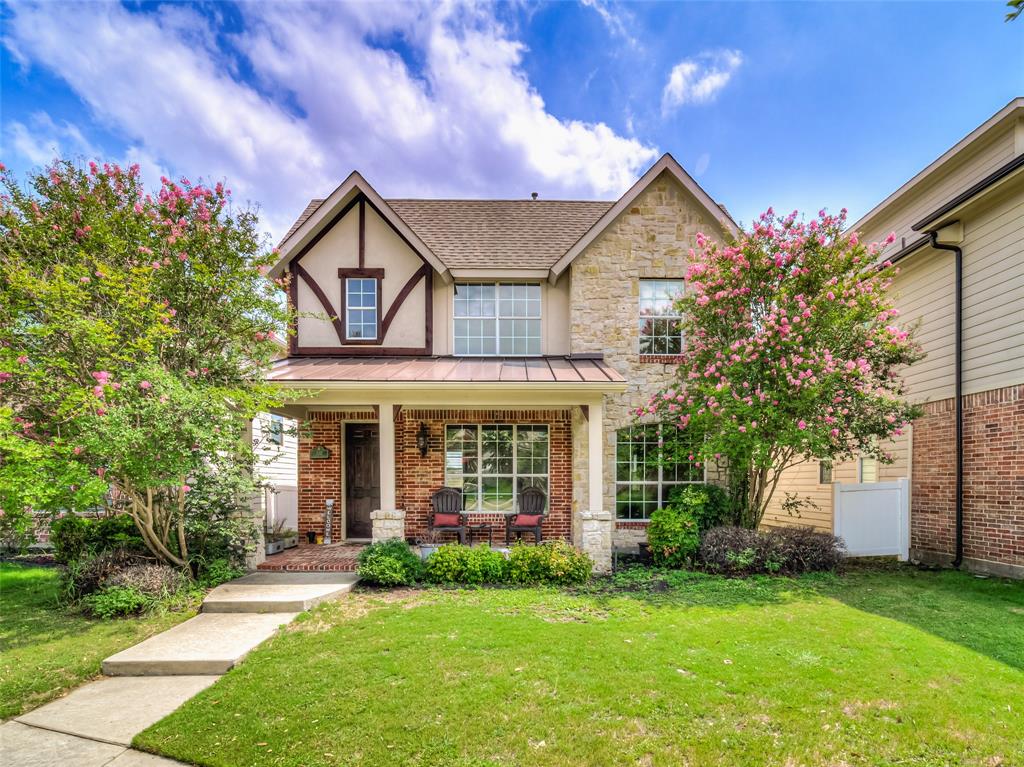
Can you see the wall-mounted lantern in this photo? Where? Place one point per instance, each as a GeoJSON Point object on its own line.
{"type": "Point", "coordinates": [423, 439]}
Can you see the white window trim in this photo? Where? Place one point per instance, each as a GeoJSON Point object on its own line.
{"type": "Point", "coordinates": [660, 482]}
{"type": "Point", "coordinates": [515, 463]}
{"type": "Point", "coordinates": [676, 317]}
{"type": "Point", "coordinates": [497, 318]}
{"type": "Point", "coordinates": [350, 308]}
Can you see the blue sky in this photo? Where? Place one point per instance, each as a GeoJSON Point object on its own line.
{"type": "Point", "coordinates": [794, 105]}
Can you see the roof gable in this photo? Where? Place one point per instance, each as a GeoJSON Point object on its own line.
{"type": "Point", "coordinates": [667, 164]}
{"type": "Point", "coordinates": [319, 216]}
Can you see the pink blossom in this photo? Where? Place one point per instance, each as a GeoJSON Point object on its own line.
{"type": "Point", "coordinates": [4, 377]}
{"type": "Point", "coordinates": [77, 450]}
{"type": "Point", "coordinates": [801, 424]}
{"type": "Point", "coordinates": [185, 488]}
{"type": "Point", "coordinates": [22, 359]}
{"type": "Point", "coordinates": [97, 390]}
{"type": "Point", "coordinates": [145, 385]}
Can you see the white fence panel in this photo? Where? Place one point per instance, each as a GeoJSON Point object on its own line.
{"type": "Point", "coordinates": [873, 519]}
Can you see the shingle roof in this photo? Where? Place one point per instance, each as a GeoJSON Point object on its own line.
{"type": "Point", "coordinates": [510, 234]}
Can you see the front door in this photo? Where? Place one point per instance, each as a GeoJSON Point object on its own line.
{"type": "Point", "coordinates": [362, 478]}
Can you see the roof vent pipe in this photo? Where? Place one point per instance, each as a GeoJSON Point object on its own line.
{"type": "Point", "coordinates": [534, 195]}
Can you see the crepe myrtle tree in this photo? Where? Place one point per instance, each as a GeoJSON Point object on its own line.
{"type": "Point", "coordinates": [135, 331]}
{"type": "Point", "coordinates": [792, 353]}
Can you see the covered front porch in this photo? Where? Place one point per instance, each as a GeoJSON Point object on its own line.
{"type": "Point", "coordinates": [379, 436]}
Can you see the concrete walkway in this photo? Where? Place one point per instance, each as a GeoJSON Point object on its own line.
{"type": "Point", "coordinates": [94, 725]}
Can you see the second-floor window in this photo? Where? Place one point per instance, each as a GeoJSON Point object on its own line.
{"type": "Point", "coordinates": [361, 308]}
{"type": "Point", "coordinates": [659, 320]}
{"type": "Point", "coordinates": [497, 319]}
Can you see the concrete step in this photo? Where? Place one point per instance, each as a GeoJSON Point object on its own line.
{"type": "Point", "coordinates": [210, 643]}
{"type": "Point", "coordinates": [116, 709]}
{"type": "Point", "coordinates": [273, 592]}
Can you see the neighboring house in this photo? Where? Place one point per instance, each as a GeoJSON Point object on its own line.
{"type": "Point", "coordinates": [490, 345]}
{"type": "Point", "coordinates": [970, 201]}
{"type": "Point", "coordinates": [276, 444]}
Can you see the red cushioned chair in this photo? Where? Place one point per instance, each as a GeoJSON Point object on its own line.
{"type": "Point", "coordinates": [447, 515]}
{"type": "Point", "coordinates": [529, 517]}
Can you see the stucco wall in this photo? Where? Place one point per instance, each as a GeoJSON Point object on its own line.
{"type": "Point", "coordinates": [651, 239]}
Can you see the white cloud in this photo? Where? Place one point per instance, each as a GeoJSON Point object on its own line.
{"type": "Point", "coordinates": [615, 21]}
{"type": "Point", "coordinates": [42, 140]}
{"type": "Point", "coordinates": [698, 80]}
{"type": "Point", "coordinates": [326, 96]}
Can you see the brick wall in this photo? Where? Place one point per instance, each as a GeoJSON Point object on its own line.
{"type": "Point", "coordinates": [417, 477]}
{"type": "Point", "coordinates": [993, 478]}
{"type": "Point", "coordinates": [322, 478]}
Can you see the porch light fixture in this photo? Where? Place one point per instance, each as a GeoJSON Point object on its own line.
{"type": "Point", "coordinates": [423, 439]}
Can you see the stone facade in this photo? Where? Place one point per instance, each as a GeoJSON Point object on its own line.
{"type": "Point", "coordinates": [651, 239]}
{"type": "Point", "coordinates": [596, 538]}
{"type": "Point", "coordinates": [387, 524]}
{"type": "Point", "coordinates": [993, 482]}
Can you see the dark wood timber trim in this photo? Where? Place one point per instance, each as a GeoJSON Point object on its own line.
{"type": "Point", "coordinates": [325, 302]}
{"type": "Point", "coordinates": [428, 286]}
{"type": "Point", "coordinates": [362, 232]}
{"type": "Point", "coordinates": [327, 227]}
{"type": "Point", "coordinates": [403, 294]}
{"type": "Point", "coordinates": [293, 322]}
{"type": "Point", "coordinates": [375, 274]}
{"type": "Point", "coordinates": [394, 229]}
{"type": "Point", "coordinates": [359, 351]}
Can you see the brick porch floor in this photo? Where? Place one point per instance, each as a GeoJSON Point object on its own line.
{"type": "Point", "coordinates": [314, 558]}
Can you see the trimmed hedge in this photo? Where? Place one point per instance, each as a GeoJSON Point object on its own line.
{"type": "Point", "coordinates": [389, 563]}
{"type": "Point", "coordinates": [452, 563]}
{"type": "Point", "coordinates": [553, 562]}
{"type": "Point", "coordinates": [784, 550]}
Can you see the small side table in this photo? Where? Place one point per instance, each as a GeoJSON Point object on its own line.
{"type": "Point", "coordinates": [481, 528]}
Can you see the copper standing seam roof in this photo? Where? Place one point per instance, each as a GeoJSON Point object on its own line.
{"type": "Point", "coordinates": [509, 234]}
{"type": "Point", "coordinates": [569, 370]}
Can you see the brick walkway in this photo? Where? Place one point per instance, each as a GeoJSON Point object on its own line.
{"type": "Point", "coordinates": [313, 558]}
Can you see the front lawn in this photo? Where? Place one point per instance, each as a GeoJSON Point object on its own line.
{"type": "Point", "coordinates": [874, 667]}
{"type": "Point", "coordinates": [44, 648]}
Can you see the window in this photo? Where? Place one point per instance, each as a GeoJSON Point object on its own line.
{"type": "Point", "coordinates": [497, 319]}
{"type": "Point", "coordinates": [825, 473]}
{"type": "Point", "coordinates": [867, 469]}
{"type": "Point", "coordinates": [659, 321]}
{"type": "Point", "coordinates": [361, 308]}
{"type": "Point", "coordinates": [275, 430]}
{"type": "Point", "coordinates": [642, 482]}
{"type": "Point", "coordinates": [492, 464]}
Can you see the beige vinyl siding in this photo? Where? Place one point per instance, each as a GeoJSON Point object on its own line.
{"type": "Point", "coordinates": [802, 480]}
{"type": "Point", "coordinates": [277, 464]}
{"type": "Point", "coordinates": [968, 168]}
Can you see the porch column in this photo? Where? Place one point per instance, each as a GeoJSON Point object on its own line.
{"type": "Point", "coordinates": [386, 433]}
{"type": "Point", "coordinates": [596, 523]}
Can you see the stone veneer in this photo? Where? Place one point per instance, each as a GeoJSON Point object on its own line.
{"type": "Point", "coordinates": [651, 239]}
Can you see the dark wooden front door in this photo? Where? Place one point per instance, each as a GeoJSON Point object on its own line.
{"type": "Point", "coordinates": [362, 478]}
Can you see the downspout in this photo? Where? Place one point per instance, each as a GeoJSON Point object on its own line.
{"type": "Point", "coordinates": [958, 258]}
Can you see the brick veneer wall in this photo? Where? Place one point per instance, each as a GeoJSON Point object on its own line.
{"type": "Point", "coordinates": [993, 478]}
{"type": "Point", "coordinates": [417, 477]}
{"type": "Point", "coordinates": [322, 478]}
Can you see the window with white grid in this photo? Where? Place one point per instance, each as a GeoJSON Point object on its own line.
{"type": "Point", "coordinates": [643, 480]}
{"type": "Point", "coordinates": [659, 320]}
{"type": "Point", "coordinates": [493, 464]}
{"type": "Point", "coordinates": [497, 319]}
{"type": "Point", "coordinates": [361, 308]}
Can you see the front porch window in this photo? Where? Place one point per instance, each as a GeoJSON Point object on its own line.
{"type": "Point", "coordinates": [492, 464]}
{"type": "Point", "coordinates": [642, 480]}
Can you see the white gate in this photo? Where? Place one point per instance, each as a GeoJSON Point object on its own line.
{"type": "Point", "coordinates": [873, 519]}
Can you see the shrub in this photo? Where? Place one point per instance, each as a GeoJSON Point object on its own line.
{"type": "Point", "coordinates": [153, 580]}
{"type": "Point", "coordinates": [673, 536]}
{"type": "Point", "coordinates": [739, 551]}
{"type": "Point", "coordinates": [461, 564]}
{"type": "Point", "coordinates": [75, 537]}
{"type": "Point", "coordinates": [17, 530]}
{"type": "Point", "coordinates": [89, 574]}
{"type": "Point", "coordinates": [389, 563]}
{"type": "Point", "coordinates": [218, 571]}
{"type": "Point", "coordinates": [117, 601]}
{"type": "Point", "coordinates": [708, 504]}
{"type": "Point", "coordinates": [551, 562]}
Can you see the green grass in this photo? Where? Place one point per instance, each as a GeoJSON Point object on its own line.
{"type": "Point", "coordinates": [46, 649]}
{"type": "Point", "coordinates": [894, 667]}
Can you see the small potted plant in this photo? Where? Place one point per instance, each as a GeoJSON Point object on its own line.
{"type": "Point", "coordinates": [280, 538]}
{"type": "Point", "coordinates": [429, 542]}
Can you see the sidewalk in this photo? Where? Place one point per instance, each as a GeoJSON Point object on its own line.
{"type": "Point", "coordinates": [94, 725]}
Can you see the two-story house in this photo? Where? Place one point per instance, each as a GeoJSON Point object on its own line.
{"type": "Point", "coordinates": [489, 345]}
